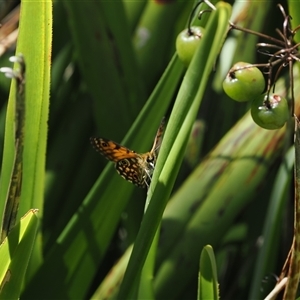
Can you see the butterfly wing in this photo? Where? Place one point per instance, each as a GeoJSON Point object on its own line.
{"type": "Point", "coordinates": [158, 138]}
{"type": "Point", "coordinates": [136, 168]}
{"type": "Point", "coordinates": [127, 162]}
{"type": "Point", "coordinates": [111, 150]}
{"type": "Point", "coordinates": [131, 170]}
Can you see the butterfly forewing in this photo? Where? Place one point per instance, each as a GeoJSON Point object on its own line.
{"type": "Point", "coordinates": [111, 150]}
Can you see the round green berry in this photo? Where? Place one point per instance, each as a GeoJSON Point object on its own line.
{"type": "Point", "coordinates": [187, 42]}
{"type": "Point", "coordinates": [244, 82]}
{"type": "Point", "coordinates": [270, 112]}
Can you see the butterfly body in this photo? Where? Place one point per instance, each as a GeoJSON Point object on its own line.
{"type": "Point", "coordinates": [134, 167]}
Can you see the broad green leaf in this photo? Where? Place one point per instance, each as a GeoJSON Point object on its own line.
{"type": "Point", "coordinates": [34, 42]}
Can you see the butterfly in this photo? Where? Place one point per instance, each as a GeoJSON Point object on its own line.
{"type": "Point", "coordinates": [134, 167]}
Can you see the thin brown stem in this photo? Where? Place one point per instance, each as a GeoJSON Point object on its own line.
{"type": "Point", "coordinates": [292, 87]}
{"type": "Point", "coordinates": [274, 40]}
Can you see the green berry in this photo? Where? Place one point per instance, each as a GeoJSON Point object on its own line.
{"type": "Point", "coordinates": [244, 84]}
{"type": "Point", "coordinates": [187, 42]}
{"type": "Point", "coordinates": [270, 112]}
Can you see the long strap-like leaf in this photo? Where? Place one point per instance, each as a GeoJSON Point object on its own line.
{"type": "Point", "coordinates": [14, 189]}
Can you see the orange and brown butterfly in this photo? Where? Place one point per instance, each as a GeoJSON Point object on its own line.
{"type": "Point", "coordinates": [134, 167]}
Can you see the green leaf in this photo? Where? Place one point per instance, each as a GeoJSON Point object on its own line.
{"type": "Point", "coordinates": [15, 252]}
{"type": "Point", "coordinates": [78, 257]}
{"type": "Point", "coordinates": [268, 254]}
{"type": "Point", "coordinates": [294, 11]}
{"type": "Point", "coordinates": [34, 42]}
{"type": "Point", "coordinates": [173, 146]}
{"type": "Point", "coordinates": [208, 280]}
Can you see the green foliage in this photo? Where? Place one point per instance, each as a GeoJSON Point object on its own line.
{"type": "Point", "coordinates": [114, 74]}
{"type": "Point", "coordinates": [208, 280]}
{"type": "Point", "coordinates": [14, 255]}
{"type": "Point", "coordinates": [34, 43]}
